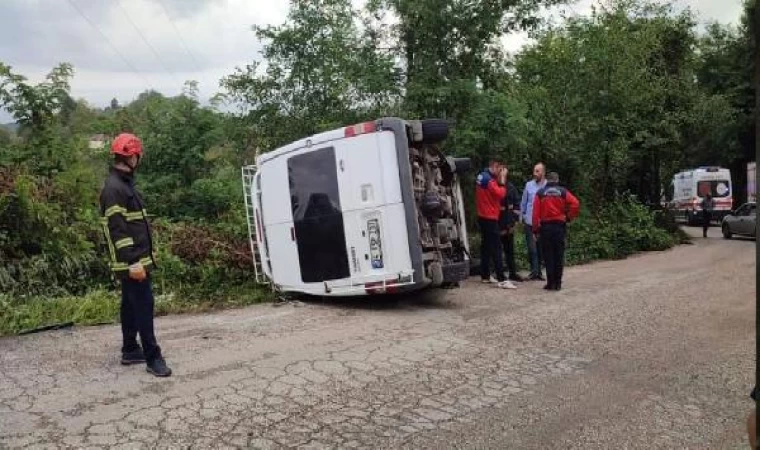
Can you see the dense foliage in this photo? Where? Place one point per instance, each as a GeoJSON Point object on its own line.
{"type": "Point", "coordinates": [51, 241]}
{"type": "Point", "coordinates": [617, 102]}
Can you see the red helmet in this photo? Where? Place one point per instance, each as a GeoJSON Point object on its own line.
{"type": "Point", "coordinates": [126, 144]}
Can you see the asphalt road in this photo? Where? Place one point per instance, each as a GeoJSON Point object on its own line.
{"type": "Point", "coordinates": [655, 351]}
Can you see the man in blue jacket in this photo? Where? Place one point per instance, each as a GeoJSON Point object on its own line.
{"type": "Point", "coordinates": [526, 208]}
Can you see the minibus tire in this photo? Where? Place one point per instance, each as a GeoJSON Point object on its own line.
{"type": "Point", "coordinates": [434, 130]}
{"type": "Point", "coordinates": [460, 165]}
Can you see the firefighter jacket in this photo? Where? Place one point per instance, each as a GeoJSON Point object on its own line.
{"type": "Point", "coordinates": [125, 224]}
{"type": "Point", "coordinates": [488, 196]}
{"type": "Point", "coordinates": [554, 204]}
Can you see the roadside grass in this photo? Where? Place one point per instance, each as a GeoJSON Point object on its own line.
{"type": "Point", "coordinates": [623, 228]}
{"type": "Point", "coordinates": [101, 306]}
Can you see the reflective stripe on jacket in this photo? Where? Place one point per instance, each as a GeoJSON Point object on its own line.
{"type": "Point", "coordinates": [125, 224]}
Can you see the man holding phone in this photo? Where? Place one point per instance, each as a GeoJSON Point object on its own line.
{"type": "Point", "coordinates": [490, 191]}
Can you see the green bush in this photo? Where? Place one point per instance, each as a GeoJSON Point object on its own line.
{"type": "Point", "coordinates": [53, 261]}
{"type": "Point", "coordinates": [210, 198]}
{"type": "Point", "coordinates": [49, 244]}
{"type": "Point", "coordinates": [620, 229]}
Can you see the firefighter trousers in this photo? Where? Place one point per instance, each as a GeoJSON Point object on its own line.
{"type": "Point", "coordinates": [137, 318]}
{"type": "Point", "coordinates": [552, 240]}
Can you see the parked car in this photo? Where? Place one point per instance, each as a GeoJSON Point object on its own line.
{"type": "Point", "coordinates": [742, 221]}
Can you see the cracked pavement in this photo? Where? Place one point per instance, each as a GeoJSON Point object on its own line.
{"type": "Point", "coordinates": [656, 351]}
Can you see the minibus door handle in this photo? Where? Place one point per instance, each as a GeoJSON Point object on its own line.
{"type": "Point", "coordinates": [293, 234]}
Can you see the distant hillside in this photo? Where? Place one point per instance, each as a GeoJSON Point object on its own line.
{"type": "Point", "coordinates": [12, 126]}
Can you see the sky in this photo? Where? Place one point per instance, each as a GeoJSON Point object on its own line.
{"type": "Point", "coordinates": [120, 48]}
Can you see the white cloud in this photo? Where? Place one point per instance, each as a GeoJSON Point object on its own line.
{"type": "Point", "coordinates": [723, 11]}
{"type": "Point", "coordinates": [217, 34]}
{"type": "Point", "coordinates": [706, 11]}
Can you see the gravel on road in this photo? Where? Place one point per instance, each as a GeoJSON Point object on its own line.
{"type": "Point", "coordinates": [655, 351]}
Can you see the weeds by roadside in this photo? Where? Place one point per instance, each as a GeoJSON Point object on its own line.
{"type": "Point", "coordinates": [19, 314]}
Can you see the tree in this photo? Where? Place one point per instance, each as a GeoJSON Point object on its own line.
{"type": "Point", "coordinates": [177, 135]}
{"type": "Point", "coordinates": [725, 68]}
{"type": "Point", "coordinates": [449, 49]}
{"type": "Point", "coordinates": [321, 72]}
{"type": "Point", "coordinates": [35, 105]}
{"type": "Point", "coordinates": [40, 111]}
{"type": "Point", "coordinates": [613, 101]}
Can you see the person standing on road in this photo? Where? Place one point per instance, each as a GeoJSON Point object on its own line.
{"type": "Point", "coordinates": [553, 208]}
{"type": "Point", "coordinates": [489, 193]}
{"type": "Point", "coordinates": [708, 205]}
{"type": "Point", "coordinates": [526, 208]}
{"type": "Point", "coordinates": [508, 219]}
{"type": "Point", "coordinates": [130, 245]}
{"type": "Point", "coordinates": [752, 421]}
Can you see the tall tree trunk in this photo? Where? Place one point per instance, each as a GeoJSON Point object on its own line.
{"type": "Point", "coordinates": [643, 188]}
{"type": "Point", "coordinates": [409, 50]}
{"type": "Point", "coordinates": [601, 196]}
{"type": "Point", "coordinates": [656, 181]}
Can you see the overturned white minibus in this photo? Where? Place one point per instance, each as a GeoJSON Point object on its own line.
{"type": "Point", "coordinates": [372, 208]}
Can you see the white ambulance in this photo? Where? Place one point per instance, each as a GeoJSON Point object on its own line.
{"type": "Point", "coordinates": [691, 186]}
{"type": "Point", "coordinates": [371, 208]}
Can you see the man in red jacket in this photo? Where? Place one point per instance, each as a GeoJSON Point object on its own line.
{"type": "Point", "coordinates": [553, 207]}
{"type": "Point", "coordinates": [489, 193]}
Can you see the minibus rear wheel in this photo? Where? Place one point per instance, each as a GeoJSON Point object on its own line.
{"type": "Point", "coordinates": [434, 130]}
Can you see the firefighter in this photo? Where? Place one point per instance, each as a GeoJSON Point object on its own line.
{"type": "Point", "coordinates": [130, 246]}
{"type": "Point", "coordinates": [553, 208]}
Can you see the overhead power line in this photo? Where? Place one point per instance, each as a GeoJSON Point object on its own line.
{"type": "Point", "coordinates": [110, 44]}
{"type": "Point", "coordinates": [142, 36]}
{"type": "Point", "coordinates": [179, 36]}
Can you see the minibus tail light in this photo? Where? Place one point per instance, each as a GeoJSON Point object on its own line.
{"type": "Point", "coordinates": [389, 287]}
{"type": "Point", "coordinates": [360, 128]}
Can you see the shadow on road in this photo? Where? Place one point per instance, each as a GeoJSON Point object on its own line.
{"type": "Point", "coordinates": [743, 238]}
{"type": "Point", "coordinates": [426, 299]}
{"type": "Point", "coordinates": [713, 233]}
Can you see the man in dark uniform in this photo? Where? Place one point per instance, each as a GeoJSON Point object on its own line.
{"type": "Point", "coordinates": [553, 208]}
{"type": "Point", "coordinates": [510, 215]}
{"type": "Point", "coordinates": [130, 245]}
{"type": "Point", "coordinates": [708, 205]}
